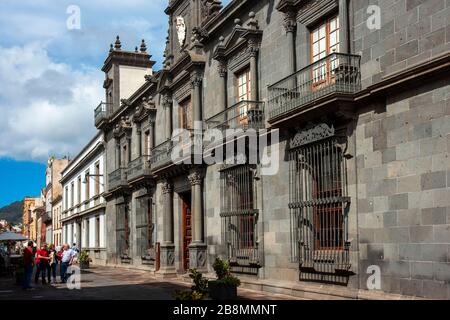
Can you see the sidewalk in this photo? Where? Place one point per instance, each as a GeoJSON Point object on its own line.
{"type": "Point", "coordinates": [102, 283]}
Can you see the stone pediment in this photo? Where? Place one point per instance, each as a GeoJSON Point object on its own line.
{"type": "Point", "coordinates": [240, 37]}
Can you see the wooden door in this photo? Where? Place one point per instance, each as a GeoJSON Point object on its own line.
{"type": "Point", "coordinates": [187, 228]}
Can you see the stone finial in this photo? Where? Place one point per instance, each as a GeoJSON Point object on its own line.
{"type": "Point", "coordinates": [221, 40]}
{"type": "Point", "coordinates": [143, 46]}
{"type": "Point", "coordinates": [111, 48]}
{"type": "Point", "coordinates": [237, 22]}
{"type": "Point", "coordinates": [136, 49]}
{"type": "Point", "coordinates": [118, 44]}
{"type": "Point", "coordinates": [253, 23]}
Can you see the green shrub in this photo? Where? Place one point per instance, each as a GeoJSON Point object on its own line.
{"type": "Point", "coordinates": [223, 273]}
{"type": "Point", "coordinates": [200, 283]}
{"type": "Point", "coordinates": [84, 257]}
{"type": "Point", "coordinates": [199, 290]}
{"type": "Point", "coordinates": [222, 268]}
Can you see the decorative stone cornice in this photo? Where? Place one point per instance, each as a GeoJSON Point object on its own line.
{"type": "Point", "coordinates": [124, 127]}
{"type": "Point", "coordinates": [210, 8]}
{"type": "Point", "coordinates": [312, 133]}
{"type": "Point", "coordinates": [146, 109]}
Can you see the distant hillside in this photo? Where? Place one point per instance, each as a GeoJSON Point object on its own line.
{"type": "Point", "coordinates": [12, 212]}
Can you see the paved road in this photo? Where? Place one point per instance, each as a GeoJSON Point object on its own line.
{"type": "Point", "coordinates": [100, 283]}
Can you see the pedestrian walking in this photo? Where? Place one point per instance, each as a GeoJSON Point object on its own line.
{"type": "Point", "coordinates": [53, 262]}
{"type": "Point", "coordinates": [28, 259]}
{"type": "Point", "coordinates": [42, 263]}
{"type": "Point", "coordinates": [66, 260]}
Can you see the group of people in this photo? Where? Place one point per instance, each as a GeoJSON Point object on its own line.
{"type": "Point", "coordinates": [46, 260]}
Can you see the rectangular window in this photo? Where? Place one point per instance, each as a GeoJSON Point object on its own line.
{"type": "Point", "coordinates": [239, 216]}
{"type": "Point", "coordinates": [72, 194]}
{"type": "Point", "coordinates": [318, 200]}
{"type": "Point", "coordinates": [87, 190]}
{"type": "Point", "coordinates": [97, 231]}
{"type": "Point", "coordinates": [186, 114]}
{"type": "Point", "coordinates": [97, 178]}
{"type": "Point", "coordinates": [79, 190]}
{"type": "Point", "coordinates": [324, 41]}
{"type": "Point", "coordinates": [66, 197]}
{"type": "Point", "coordinates": [122, 230]}
{"type": "Point", "coordinates": [147, 143]}
{"type": "Point", "coordinates": [144, 225]}
{"type": "Point", "coordinates": [87, 244]}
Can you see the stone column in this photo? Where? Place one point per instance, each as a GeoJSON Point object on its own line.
{"type": "Point", "coordinates": [129, 151]}
{"type": "Point", "coordinates": [197, 248]}
{"type": "Point", "coordinates": [167, 103]}
{"type": "Point", "coordinates": [139, 139]}
{"type": "Point", "coordinates": [222, 92]}
{"type": "Point", "coordinates": [343, 26]}
{"type": "Point", "coordinates": [167, 246]}
{"type": "Point", "coordinates": [152, 135]}
{"type": "Point", "coordinates": [196, 81]}
{"type": "Point", "coordinates": [254, 72]}
{"type": "Point", "coordinates": [118, 160]}
{"type": "Point", "coordinates": [290, 25]}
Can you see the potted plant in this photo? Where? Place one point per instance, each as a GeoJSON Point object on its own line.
{"type": "Point", "coordinates": [198, 291]}
{"type": "Point", "coordinates": [225, 287]}
{"type": "Point", "coordinates": [84, 260]}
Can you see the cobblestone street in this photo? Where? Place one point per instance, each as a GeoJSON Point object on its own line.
{"type": "Point", "coordinates": [100, 283]}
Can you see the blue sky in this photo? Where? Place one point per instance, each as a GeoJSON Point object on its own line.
{"type": "Point", "coordinates": [51, 81]}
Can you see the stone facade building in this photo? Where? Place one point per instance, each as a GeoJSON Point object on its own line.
{"type": "Point", "coordinates": [27, 209]}
{"type": "Point", "coordinates": [56, 221]}
{"type": "Point", "coordinates": [83, 205]}
{"type": "Point", "coordinates": [53, 190]}
{"type": "Point", "coordinates": [358, 94]}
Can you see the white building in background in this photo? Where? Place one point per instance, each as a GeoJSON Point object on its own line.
{"type": "Point", "coordinates": [83, 215]}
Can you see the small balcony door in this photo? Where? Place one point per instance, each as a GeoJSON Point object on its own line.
{"type": "Point", "coordinates": [324, 41]}
{"type": "Point", "coordinates": [244, 94]}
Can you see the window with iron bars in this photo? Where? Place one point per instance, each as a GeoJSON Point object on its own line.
{"type": "Point", "coordinates": [122, 230]}
{"type": "Point", "coordinates": [319, 205]}
{"type": "Point", "coordinates": [144, 226]}
{"type": "Point", "coordinates": [239, 216]}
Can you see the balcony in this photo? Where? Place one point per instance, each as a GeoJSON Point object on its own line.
{"type": "Point", "coordinates": [165, 153]}
{"type": "Point", "coordinates": [337, 75]}
{"type": "Point", "coordinates": [138, 168]}
{"type": "Point", "coordinates": [243, 115]}
{"type": "Point", "coordinates": [101, 113]}
{"type": "Point", "coordinates": [117, 178]}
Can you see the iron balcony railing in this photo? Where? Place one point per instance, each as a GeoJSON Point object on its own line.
{"type": "Point", "coordinates": [117, 178]}
{"type": "Point", "coordinates": [336, 73]}
{"type": "Point", "coordinates": [101, 112]}
{"type": "Point", "coordinates": [242, 115]}
{"type": "Point", "coordinates": [164, 154]}
{"type": "Point", "coordinates": [138, 168]}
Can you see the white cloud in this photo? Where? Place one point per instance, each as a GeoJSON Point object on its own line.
{"type": "Point", "coordinates": [46, 107]}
